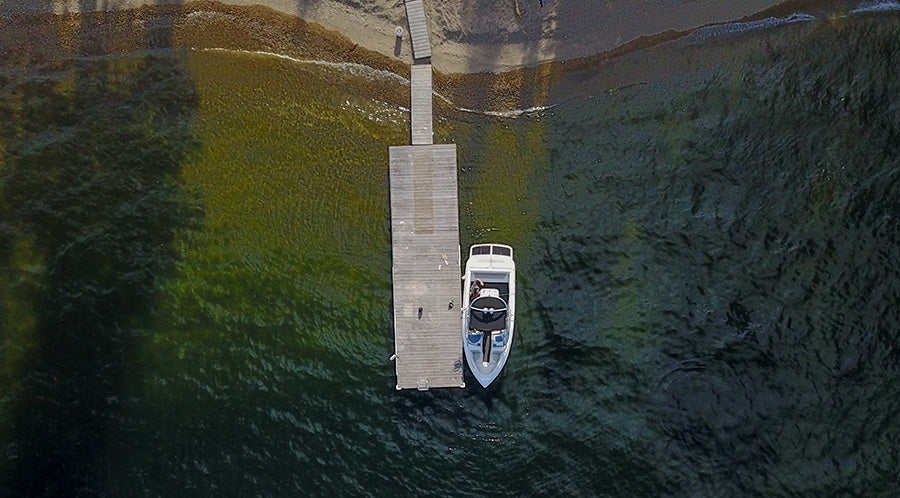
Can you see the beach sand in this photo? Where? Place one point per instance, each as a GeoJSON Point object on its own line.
{"type": "Point", "coordinates": [470, 36]}
{"type": "Point", "coordinates": [486, 57]}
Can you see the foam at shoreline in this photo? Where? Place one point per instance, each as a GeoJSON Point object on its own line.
{"type": "Point", "coordinates": [260, 30]}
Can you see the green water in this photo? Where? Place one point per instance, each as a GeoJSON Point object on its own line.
{"type": "Point", "coordinates": [196, 291]}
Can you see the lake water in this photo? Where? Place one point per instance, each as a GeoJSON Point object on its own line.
{"type": "Point", "coordinates": [196, 298]}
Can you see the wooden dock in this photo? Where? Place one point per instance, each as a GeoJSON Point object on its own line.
{"type": "Point", "coordinates": [420, 105]}
{"type": "Point", "coordinates": [418, 29]}
{"type": "Point", "coordinates": [426, 266]}
{"type": "Point", "coordinates": [425, 250]}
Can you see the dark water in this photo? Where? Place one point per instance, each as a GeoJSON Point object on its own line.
{"type": "Point", "coordinates": [196, 280]}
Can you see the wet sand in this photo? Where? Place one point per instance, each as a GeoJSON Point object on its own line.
{"type": "Point", "coordinates": [472, 37]}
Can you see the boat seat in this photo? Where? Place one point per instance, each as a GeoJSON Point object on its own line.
{"type": "Point", "coordinates": [473, 339]}
{"type": "Point", "coordinates": [499, 341]}
{"type": "Point", "coordinates": [489, 292]}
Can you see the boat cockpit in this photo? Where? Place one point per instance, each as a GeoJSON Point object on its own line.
{"type": "Point", "coordinates": [487, 313]}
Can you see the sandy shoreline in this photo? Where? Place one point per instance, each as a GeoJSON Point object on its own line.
{"type": "Point", "coordinates": [29, 36]}
{"type": "Point", "coordinates": [472, 37]}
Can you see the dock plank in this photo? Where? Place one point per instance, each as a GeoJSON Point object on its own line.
{"type": "Point", "coordinates": [418, 29]}
{"type": "Point", "coordinates": [426, 266]}
{"type": "Point", "coordinates": [420, 105]}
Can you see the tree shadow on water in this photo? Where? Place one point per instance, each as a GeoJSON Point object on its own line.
{"type": "Point", "coordinates": [91, 198]}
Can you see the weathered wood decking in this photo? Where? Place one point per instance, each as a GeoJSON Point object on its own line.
{"type": "Point", "coordinates": [425, 239]}
{"type": "Point", "coordinates": [420, 105]}
{"type": "Point", "coordinates": [418, 29]}
{"type": "Point", "coordinates": [426, 268]}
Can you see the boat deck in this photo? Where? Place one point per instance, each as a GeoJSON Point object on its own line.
{"type": "Point", "coordinates": [502, 287]}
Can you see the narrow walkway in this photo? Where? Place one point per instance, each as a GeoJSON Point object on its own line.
{"type": "Point", "coordinates": [425, 252]}
{"type": "Point", "coordinates": [420, 108]}
{"type": "Point", "coordinates": [418, 29]}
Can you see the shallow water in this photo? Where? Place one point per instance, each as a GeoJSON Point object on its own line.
{"type": "Point", "coordinates": [196, 281]}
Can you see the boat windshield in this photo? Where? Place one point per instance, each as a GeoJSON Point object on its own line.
{"type": "Point", "coordinates": [487, 313]}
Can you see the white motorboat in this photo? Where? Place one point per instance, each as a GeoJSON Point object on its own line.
{"type": "Point", "coordinates": [489, 309]}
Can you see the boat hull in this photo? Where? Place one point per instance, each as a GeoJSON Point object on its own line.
{"type": "Point", "coordinates": [488, 310]}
